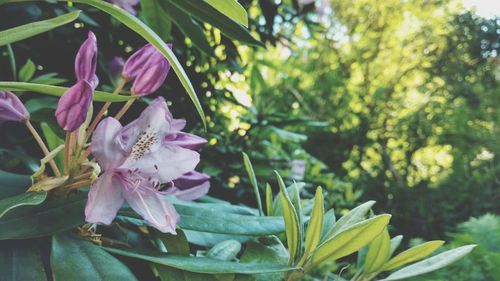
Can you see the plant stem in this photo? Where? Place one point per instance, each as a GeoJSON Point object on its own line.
{"type": "Point", "coordinates": [67, 151]}
{"type": "Point", "coordinates": [78, 184]}
{"type": "Point", "coordinates": [44, 148]}
{"type": "Point", "coordinates": [103, 110]}
{"type": "Point", "coordinates": [124, 109]}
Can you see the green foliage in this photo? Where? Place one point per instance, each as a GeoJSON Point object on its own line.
{"type": "Point", "coordinates": [31, 29]}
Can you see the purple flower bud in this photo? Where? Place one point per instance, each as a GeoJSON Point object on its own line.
{"type": "Point", "coordinates": [86, 61]}
{"type": "Point", "coordinates": [152, 75]}
{"type": "Point", "coordinates": [73, 106]}
{"type": "Point", "coordinates": [135, 63]}
{"type": "Point", "coordinates": [11, 108]}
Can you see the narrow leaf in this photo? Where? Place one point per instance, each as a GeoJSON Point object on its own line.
{"type": "Point", "coordinates": [413, 254]}
{"type": "Point", "coordinates": [200, 264]}
{"type": "Point", "coordinates": [21, 32]}
{"type": "Point", "coordinates": [378, 252]}
{"type": "Point", "coordinates": [291, 220]}
{"type": "Point", "coordinates": [204, 12]}
{"type": "Point", "coordinates": [395, 242]}
{"type": "Point", "coordinates": [187, 26]}
{"type": "Point", "coordinates": [156, 17]}
{"type": "Point", "coordinates": [232, 9]}
{"type": "Point", "coordinates": [433, 263]}
{"type": "Point", "coordinates": [57, 91]}
{"type": "Point", "coordinates": [313, 234]}
{"type": "Point", "coordinates": [253, 181]}
{"type": "Point", "coordinates": [269, 200]}
{"type": "Point", "coordinates": [349, 240]}
{"type": "Point", "coordinates": [354, 216]}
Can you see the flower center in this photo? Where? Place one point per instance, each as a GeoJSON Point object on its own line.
{"type": "Point", "coordinates": [144, 142]}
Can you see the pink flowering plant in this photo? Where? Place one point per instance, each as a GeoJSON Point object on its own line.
{"type": "Point", "coordinates": [115, 200]}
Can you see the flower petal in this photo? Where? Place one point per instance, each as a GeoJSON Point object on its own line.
{"type": "Point", "coordinates": [189, 194]}
{"type": "Point", "coordinates": [155, 210]}
{"type": "Point", "coordinates": [154, 122]}
{"type": "Point", "coordinates": [104, 200]}
{"type": "Point", "coordinates": [163, 164]}
{"type": "Point", "coordinates": [184, 140]}
{"type": "Point", "coordinates": [106, 145]}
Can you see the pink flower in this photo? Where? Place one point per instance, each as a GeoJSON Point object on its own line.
{"type": "Point", "coordinates": [127, 5]}
{"type": "Point", "coordinates": [136, 159]}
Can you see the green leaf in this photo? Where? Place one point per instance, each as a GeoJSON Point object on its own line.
{"type": "Point", "coordinates": [206, 239]}
{"type": "Point", "coordinates": [27, 71]}
{"type": "Point", "coordinates": [395, 242]}
{"type": "Point", "coordinates": [232, 9]}
{"type": "Point", "coordinates": [21, 32]}
{"type": "Point", "coordinates": [136, 25]}
{"type": "Point", "coordinates": [21, 260]}
{"type": "Point", "coordinates": [188, 26]}
{"type": "Point", "coordinates": [214, 221]}
{"type": "Point", "coordinates": [175, 243]}
{"type": "Point", "coordinates": [378, 252]}
{"type": "Point", "coordinates": [204, 12]}
{"type": "Point", "coordinates": [253, 181]}
{"type": "Point", "coordinates": [433, 263]}
{"type": "Point", "coordinates": [265, 250]}
{"type": "Point", "coordinates": [291, 221]}
{"type": "Point", "coordinates": [53, 141]}
{"type": "Point", "coordinates": [269, 200]}
{"type": "Point", "coordinates": [225, 250]}
{"type": "Point", "coordinates": [57, 91]}
{"type": "Point", "coordinates": [354, 216]}
{"type": "Point", "coordinates": [73, 258]}
{"type": "Point", "coordinates": [200, 264]}
{"type": "Point", "coordinates": [349, 240]}
{"type": "Point", "coordinates": [314, 229]}
{"type": "Point", "coordinates": [328, 223]}
{"type": "Point", "coordinates": [413, 254]}
{"type": "Point", "coordinates": [48, 79]}
{"type": "Point", "coordinates": [12, 184]}
{"type": "Point", "coordinates": [23, 199]}
{"type": "Point", "coordinates": [45, 219]}
{"type": "Point", "coordinates": [156, 18]}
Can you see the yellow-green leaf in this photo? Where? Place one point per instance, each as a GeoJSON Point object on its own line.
{"type": "Point", "coordinates": [349, 241]}
{"type": "Point", "coordinates": [413, 254]}
{"type": "Point", "coordinates": [378, 252]}
{"type": "Point", "coordinates": [253, 181]}
{"type": "Point", "coordinates": [433, 263]}
{"type": "Point", "coordinates": [232, 9]}
{"type": "Point", "coordinates": [57, 91]}
{"type": "Point", "coordinates": [291, 220]}
{"type": "Point", "coordinates": [313, 233]}
{"type": "Point", "coordinates": [269, 200]}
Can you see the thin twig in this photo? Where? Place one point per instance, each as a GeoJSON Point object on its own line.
{"type": "Point", "coordinates": [44, 148]}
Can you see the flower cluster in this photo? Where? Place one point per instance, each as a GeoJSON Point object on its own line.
{"type": "Point", "coordinates": [142, 162]}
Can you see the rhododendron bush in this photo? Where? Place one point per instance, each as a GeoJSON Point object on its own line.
{"type": "Point", "coordinates": [125, 200]}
